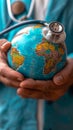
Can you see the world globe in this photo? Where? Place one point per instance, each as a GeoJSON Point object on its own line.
{"type": "Point", "coordinates": [34, 56]}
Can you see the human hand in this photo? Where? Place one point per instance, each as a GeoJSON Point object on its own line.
{"type": "Point", "coordinates": [51, 89]}
{"type": "Point", "coordinates": [7, 75]}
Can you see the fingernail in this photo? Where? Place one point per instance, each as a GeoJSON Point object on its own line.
{"type": "Point", "coordinates": [22, 85]}
{"type": "Point", "coordinates": [58, 80]}
{"type": "Point", "coordinates": [19, 91]}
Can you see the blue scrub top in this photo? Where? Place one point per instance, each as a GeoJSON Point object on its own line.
{"type": "Point", "coordinates": [20, 114]}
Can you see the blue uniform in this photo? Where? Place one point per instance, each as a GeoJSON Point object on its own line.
{"type": "Point", "coordinates": [20, 114]}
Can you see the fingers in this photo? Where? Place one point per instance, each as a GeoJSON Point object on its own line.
{"type": "Point", "coordinates": [40, 85]}
{"type": "Point", "coordinates": [9, 73]}
{"type": "Point", "coordinates": [2, 41]}
{"type": "Point", "coordinates": [5, 46]}
{"type": "Point", "coordinates": [65, 75]}
{"type": "Point", "coordinates": [35, 84]}
{"type": "Point", "coordinates": [42, 89]}
{"type": "Point", "coordinates": [8, 76]}
{"type": "Point", "coordinates": [49, 90]}
{"type": "Point", "coordinates": [9, 82]}
{"type": "Point", "coordinates": [5, 70]}
{"type": "Point", "coordinates": [27, 93]}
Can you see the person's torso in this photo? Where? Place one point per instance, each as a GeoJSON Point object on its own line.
{"type": "Point", "coordinates": [21, 114]}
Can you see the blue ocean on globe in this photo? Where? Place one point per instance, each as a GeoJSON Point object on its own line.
{"type": "Point", "coordinates": [35, 57]}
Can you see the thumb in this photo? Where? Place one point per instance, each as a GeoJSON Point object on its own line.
{"type": "Point", "coordinates": [64, 75]}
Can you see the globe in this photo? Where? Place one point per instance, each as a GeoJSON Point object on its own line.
{"type": "Point", "coordinates": [34, 56]}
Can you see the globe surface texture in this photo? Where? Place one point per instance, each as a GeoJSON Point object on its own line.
{"type": "Point", "coordinates": [33, 56]}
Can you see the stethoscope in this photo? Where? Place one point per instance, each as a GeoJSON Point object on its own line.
{"type": "Point", "coordinates": [13, 10]}
{"type": "Point", "coordinates": [22, 21]}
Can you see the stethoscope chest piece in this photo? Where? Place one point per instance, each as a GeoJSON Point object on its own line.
{"type": "Point", "coordinates": [54, 32]}
{"type": "Point", "coordinates": [18, 7]}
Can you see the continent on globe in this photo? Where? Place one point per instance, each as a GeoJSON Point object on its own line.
{"type": "Point", "coordinates": [52, 54]}
{"type": "Point", "coordinates": [17, 58]}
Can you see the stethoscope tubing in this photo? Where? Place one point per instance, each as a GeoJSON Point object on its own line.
{"type": "Point", "coordinates": [27, 22]}
{"type": "Point", "coordinates": [11, 15]}
{"type": "Point", "coordinates": [18, 21]}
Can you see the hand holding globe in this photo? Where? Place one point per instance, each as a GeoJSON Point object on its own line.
{"type": "Point", "coordinates": [42, 57]}
{"type": "Point", "coordinates": [30, 88]}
